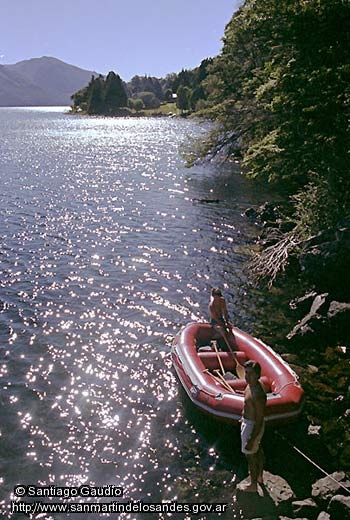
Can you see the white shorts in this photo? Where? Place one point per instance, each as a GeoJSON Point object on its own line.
{"type": "Point", "coordinates": [246, 432]}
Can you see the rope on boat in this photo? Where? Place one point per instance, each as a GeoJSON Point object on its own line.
{"type": "Point", "coordinates": [313, 462]}
{"type": "Point", "coordinates": [276, 392]}
{"type": "Point", "coordinates": [195, 390]}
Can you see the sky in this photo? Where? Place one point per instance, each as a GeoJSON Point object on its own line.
{"type": "Point", "coordinates": [130, 37]}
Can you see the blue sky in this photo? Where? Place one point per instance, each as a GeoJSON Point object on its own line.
{"type": "Point", "coordinates": [154, 37]}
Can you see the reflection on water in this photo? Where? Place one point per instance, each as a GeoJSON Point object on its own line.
{"type": "Point", "coordinates": [104, 255]}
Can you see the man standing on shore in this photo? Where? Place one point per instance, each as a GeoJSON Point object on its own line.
{"type": "Point", "coordinates": [253, 425]}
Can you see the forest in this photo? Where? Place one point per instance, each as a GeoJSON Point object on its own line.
{"type": "Point", "coordinates": [113, 96]}
{"type": "Point", "coordinates": [279, 95]}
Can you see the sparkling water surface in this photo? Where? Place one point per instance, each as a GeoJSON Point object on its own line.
{"type": "Point", "coordinates": [104, 255]}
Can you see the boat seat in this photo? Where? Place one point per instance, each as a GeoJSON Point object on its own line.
{"type": "Point", "coordinates": [240, 384]}
{"type": "Point", "coordinates": [211, 362]}
{"type": "Point", "coordinates": [205, 348]}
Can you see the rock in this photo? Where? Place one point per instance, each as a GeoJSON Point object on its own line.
{"type": "Point", "coordinates": [278, 489]}
{"type": "Point", "coordinates": [323, 516]}
{"type": "Point", "coordinates": [325, 259]}
{"type": "Point", "coordinates": [303, 301]}
{"type": "Point", "coordinates": [336, 308]}
{"type": "Point", "coordinates": [268, 213]}
{"type": "Point", "coordinates": [309, 323]}
{"type": "Point", "coordinates": [288, 518]}
{"type": "Point", "coordinates": [325, 488]}
{"type": "Point", "coordinates": [312, 369]}
{"type": "Point", "coordinates": [314, 429]}
{"type": "Point", "coordinates": [325, 323]}
{"type": "Point", "coordinates": [339, 316]}
{"type": "Point", "coordinates": [290, 358]}
{"type": "Point", "coordinates": [251, 213]}
{"type": "Point", "coordinates": [339, 508]}
{"type": "Point", "coordinates": [274, 497]}
{"type": "Point", "coordinates": [307, 508]}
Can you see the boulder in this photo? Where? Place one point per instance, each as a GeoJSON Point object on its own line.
{"type": "Point", "coordinates": [313, 320]}
{"type": "Point", "coordinates": [323, 516]}
{"type": "Point", "coordinates": [325, 323]}
{"type": "Point", "coordinates": [274, 497]}
{"type": "Point", "coordinates": [325, 259]}
{"type": "Point", "coordinates": [289, 518]}
{"type": "Point", "coordinates": [339, 508]}
{"type": "Point", "coordinates": [325, 488]}
{"type": "Point", "coordinates": [306, 508]}
{"type": "Point", "coordinates": [339, 316]}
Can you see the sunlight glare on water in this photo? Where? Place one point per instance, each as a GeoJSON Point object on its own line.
{"type": "Point", "coordinates": [104, 255]}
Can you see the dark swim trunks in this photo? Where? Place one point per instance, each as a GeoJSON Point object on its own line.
{"type": "Point", "coordinates": [215, 323]}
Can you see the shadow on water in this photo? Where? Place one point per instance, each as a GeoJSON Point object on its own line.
{"type": "Point", "coordinates": [289, 454]}
{"type": "Point", "coordinates": [224, 435]}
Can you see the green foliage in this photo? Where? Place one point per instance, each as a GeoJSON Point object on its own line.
{"type": "Point", "coordinates": [101, 96]}
{"type": "Point", "coordinates": [279, 96]}
{"type": "Point", "coordinates": [183, 98]}
{"type": "Point", "coordinates": [189, 86]}
{"type": "Point", "coordinates": [114, 93]}
{"type": "Point", "coordinates": [317, 207]}
{"type": "Point", "coordinates": [149, 99]}
{"type": "Point", "coordinates": [95, 95]}
{"type": "Point", "coordinates": [136, 104]}
{"type": "Point", "coordinates": [140, 84]}
{"type": "Point", "coordinates": [108, 96]}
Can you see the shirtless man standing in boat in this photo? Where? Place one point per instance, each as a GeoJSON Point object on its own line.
{"type": "Point", "coordinates": [253, 425]}
{"type": "Point", "coordinates": [219, 318]}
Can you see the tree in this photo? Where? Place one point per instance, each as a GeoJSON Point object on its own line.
{"type": "Point", "coordinates": [95, 101]}
{"type": "Point", "coordinates": [115, 95]}
{"type": "Point", "coordinates": [136, 104]}
{"type": "Point", "coordinates": [149, 99]}
{"type": "Point", "coordinates": [183, 98]}
{"type": "Point", "coordinates": [279, 94]}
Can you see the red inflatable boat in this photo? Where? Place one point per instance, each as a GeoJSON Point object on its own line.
{"type": "Point", "coordinates": [214, 381]}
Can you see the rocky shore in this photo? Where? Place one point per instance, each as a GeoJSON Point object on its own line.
{"type": "Point", "coordinates": [329, 499]}
{"type": "Point", "coordinates": [307, 474]}
{"type": "Point", "coordinates": [318, 349]}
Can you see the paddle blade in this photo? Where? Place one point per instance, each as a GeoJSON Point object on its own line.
{"type": "Point", "coordinates": [240, 371]}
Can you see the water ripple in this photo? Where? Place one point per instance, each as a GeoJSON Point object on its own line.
{"type": "Point", "coordinates": [103, 256]}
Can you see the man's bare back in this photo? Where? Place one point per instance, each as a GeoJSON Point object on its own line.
{"type": "Point", "coordinates": [219, 318]}
{"type": "Point", "coordinates": [218, 309]}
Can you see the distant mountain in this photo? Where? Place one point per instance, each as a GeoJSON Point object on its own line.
{"type": "Point", "coordinates": [41, 82]}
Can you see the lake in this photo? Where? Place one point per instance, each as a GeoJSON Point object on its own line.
{"type": "Point", "coordinates": [105, 254]}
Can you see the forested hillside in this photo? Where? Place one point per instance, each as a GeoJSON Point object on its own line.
{"type": "Point", "coordinates": [279, 94]}
{"type": "Point", "coordinates": [185, 89]}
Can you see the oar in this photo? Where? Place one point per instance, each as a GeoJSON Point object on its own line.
{"type": "Point", "coordinates": [239, 368]}
{"type": "Point", "coordinates": [221, 380]}
{"type": "Point", "coordinates": [224, 382]}
{"type": "Point", "coordinates": [219, 358]}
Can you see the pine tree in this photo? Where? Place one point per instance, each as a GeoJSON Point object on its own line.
{"type": "Point", "coordinates": [115, 95]}
{"type": "Point", "coordinates": [95, 102]}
